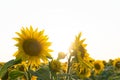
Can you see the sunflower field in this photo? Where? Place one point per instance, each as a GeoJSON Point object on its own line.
{"type": "Point", "coordinates": [34, 61]}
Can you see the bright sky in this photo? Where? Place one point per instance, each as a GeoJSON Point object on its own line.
{"type": "Point", "coordinates": [98, 20]}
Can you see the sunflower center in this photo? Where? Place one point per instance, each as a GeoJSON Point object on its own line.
{"type": "Point", "coordinates": [97, 66]}
{"type": "Point", "coordinates": [31, 47]}
{"type": "Point", "coordinates": [117, 64]}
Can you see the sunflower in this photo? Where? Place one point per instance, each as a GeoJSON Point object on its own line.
{"type": "Point", "coordinates": [79, 52]}
{"type": "Point", "coordinates": [78, 47]}
{"type": "Point", "coordinates": [116, 63]}
{"type": "Point", "coordinates": [84, 73]}
{"type": "Point", "coordinates": [34, 78]}
{"type": "Point", "coordinates": [33, 46]}
{"type": "Point", "coordinates": [81, 71]}
{"type": "Point", "coordinates": [74, 68]}
{"type": "Point", "coordinates": [55, 66]}
{"type": "Point", "coordinates": [98, 66]}
{"type": "Point", "coordinates": [1, 64]}
{"type": "Point", "coordinates": [64, 67]}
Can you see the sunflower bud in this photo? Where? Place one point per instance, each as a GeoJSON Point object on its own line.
{"type": "Point", "coordinates": [61, 55]}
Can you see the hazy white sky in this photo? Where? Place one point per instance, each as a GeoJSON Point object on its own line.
{"type": "Point", "coordinates": [98, 20]}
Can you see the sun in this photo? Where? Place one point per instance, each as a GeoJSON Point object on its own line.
{"type": "Point", "coordinates": [33, 46]}
{"type": "Point", "coordinates": [61, 42]}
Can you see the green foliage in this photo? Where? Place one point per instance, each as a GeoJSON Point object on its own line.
{"type": "Point", "coordinates": [43, 73]}
{"type": "Point", "coordinates": [4, 69]}
{"type": "Point", "coordinates": [109, 73]}
{"type": "Point", "coordinates": [15, 74]}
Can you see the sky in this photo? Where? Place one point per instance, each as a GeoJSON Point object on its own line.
{"type": "Point", "coordinates": [62, 20]}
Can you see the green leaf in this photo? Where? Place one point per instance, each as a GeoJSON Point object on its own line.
{"type": "Point", "coordinates": [3, 70]}
{"type": "Point", "coordinates": [8, 64]}
{"type": "Point", "coordinates": [17, 61]}
{"type": "Point", "coordinates": [15, 74]}
{"type": "Point", "coordinates": [49, 57]}
{"type": "Point", "coordinates": [42, 74]}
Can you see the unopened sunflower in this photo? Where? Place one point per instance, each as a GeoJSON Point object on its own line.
{"type": "Point", "coordinates": [64, 67]}
{"type": "Point", "coordinates": [55, 66]}
{"type": "Point", "coordinates": [81, 71]}
{"type": "Point", "coordinates": [98, 66]}
{"type": "Point", "coordinates": [84, 73]}
{"type": "Point", "coordinates": [33, 46]}
{"type": "Point", "coordinates": [61, 55]}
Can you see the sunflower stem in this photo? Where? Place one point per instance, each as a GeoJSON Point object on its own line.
{"type": "Point", "coordinates": [68, 69]}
